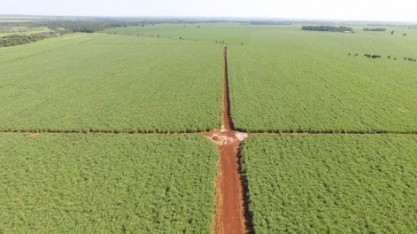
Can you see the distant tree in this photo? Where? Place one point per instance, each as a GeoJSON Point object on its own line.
{"type": "Point", "coordinates": [327, 28]}
{"type": "Point", "coordinates": [404, 34]}
{"type": "Point", "coordinates": [392, 32]}
{"type": "Point", "coordinates": [241, 43]}
{"type": "Point", "coordinates": [349, 54]}
{"type": "Point", "coordinates": [395, 58]}
{"type": "Point", "coordinates": [374, 29]}
{"type": "Point", "coordinates": [389, 57]}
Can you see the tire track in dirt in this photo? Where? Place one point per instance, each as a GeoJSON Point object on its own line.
{"type": "Point", "coordinates": [231, 214]}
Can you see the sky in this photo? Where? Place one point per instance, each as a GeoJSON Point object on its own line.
{"type": "Point", "coordinates": [372, 10]}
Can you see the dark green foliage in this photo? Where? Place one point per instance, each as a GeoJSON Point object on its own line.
{"type": "Point", "coordinates": [20, 39]}
{"type": "Point", "coordinates": [375, 29]}
{"type": "Point", "coordinates": [327, 28]}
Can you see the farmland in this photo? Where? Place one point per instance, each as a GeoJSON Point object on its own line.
{"type": "Point", "coordinates": [105, 83]}
{"type": "Point", "coordinates": [103, 132]}
{"type": "Point", "coordinates": [285, 79]}
{"type": "Point", "coordinates": [332, 183]}
{"type": "Point", "coordinates": [91, 183]}
{"type": "Point", "coordinates": [313, 85]}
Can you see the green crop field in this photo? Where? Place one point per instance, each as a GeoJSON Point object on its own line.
{"type": "Point", "coordinates": [204, 33]}
{"type": "Point", "coordinates": [167, 79]}
{"type": "Point", "coordinates": [111, 83]}
{"type": "Point", "coordinates": [332, 183]}
{"type": "Point", "coordinates": [86, 183]}
{"type": "Point", "coordinates": [306, 81]}
{"type": "Point", "coordinates": [285, 79]}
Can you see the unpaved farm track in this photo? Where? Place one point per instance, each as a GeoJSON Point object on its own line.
{"type": "Point", "coordinates": [231, 216]}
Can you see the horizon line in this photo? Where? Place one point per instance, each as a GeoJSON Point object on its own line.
{"type": "Point", "coordinates": [220, 18]}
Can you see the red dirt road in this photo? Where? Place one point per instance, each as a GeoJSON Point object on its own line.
{"type": "Point", "coordinates": [227, 121]}
{"type": "Point", "coordinates": [229, 217]}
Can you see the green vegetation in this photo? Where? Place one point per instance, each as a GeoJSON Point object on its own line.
{"type": "Point", "coordinates": [375, 29]}
{"type": "Point", "coordinates": [327, 28]}
{"type": "Point", "coordinates": [154, 77]}
{"type": "Point", "coordinates": [304, 81]}
{"type": "Point", "coordinates": [332, 183]}
{"type": "Point", "coordinates": [21, 39]}
{"type": "Point", "coordinates": [214, 33]}
{"type": "Point", "coordinates": [12, 36]}
{"type": "Point", "coordinates": [8, 30]}
{"type": "Point", "coordinates": [22, 31]}
{"type": "Point", "coordinates": [104, 83]}
{"type": "Point", "coordinates": [286, 79]}
{"type": "Point", "coordinates": [86, 183]}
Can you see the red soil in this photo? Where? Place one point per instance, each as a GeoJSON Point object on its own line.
{"type": "Point", "coordinates": [227, 122]}
{"type": "Point", "coordinates": [229, 217]}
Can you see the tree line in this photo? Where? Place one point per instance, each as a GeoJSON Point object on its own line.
{"type": "Point", "coordinates": [377, 56]}
{"type": "Point", "coordinates": [327, 28]}
{"type": "Point", "coordinates": [20, 39]}
{"type": "Point", "coordinates": [375, 29]}
{"type": "Point", "coordinates": [61, 27]}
